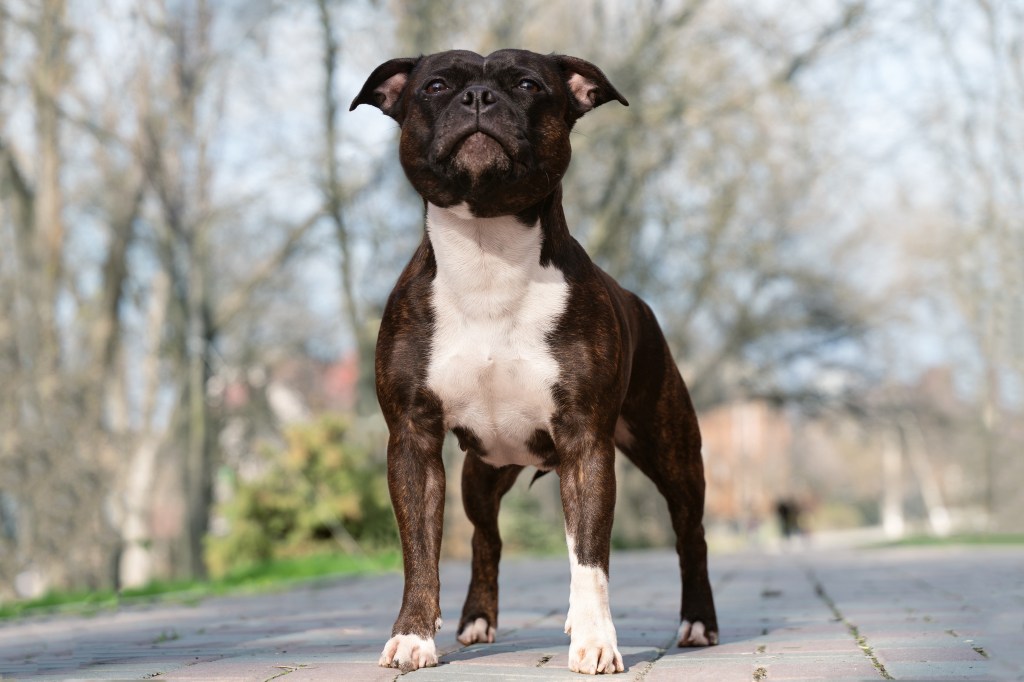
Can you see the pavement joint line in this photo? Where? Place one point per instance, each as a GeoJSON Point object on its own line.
{"type": "Point", "coordinates": [662, 650]}
{"type": "Point", "coordinates": [718, 587]}
{"type": "Point", "coordinates": [862, 642]}
{"type": "Point", "coordinates": [921, 582]}
{"type": "Point", "coordinates": [546, 657]}
{"type": "Point", "coordinates": [641, 674]}
{"type": "Point", "coordinates": [285, 670]}
{"type": "Point", "coordinates": [459, 646]}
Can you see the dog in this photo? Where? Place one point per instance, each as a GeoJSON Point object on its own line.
{"type": "Point", "coordinates": [502, 330]}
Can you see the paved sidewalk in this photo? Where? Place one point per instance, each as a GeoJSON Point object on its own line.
{"type": "Point", "coordinates": [951, 613]}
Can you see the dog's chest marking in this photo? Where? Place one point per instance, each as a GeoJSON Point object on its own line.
{"type": "Point", "coordinates": [494, 306]}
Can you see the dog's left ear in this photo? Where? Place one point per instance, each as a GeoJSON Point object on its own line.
{"type": "Point", "coordinates": [588, 86]}
{"type": "Point", "coordinates": [383, 89]}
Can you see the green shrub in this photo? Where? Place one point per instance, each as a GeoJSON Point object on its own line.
{"type": "Point", "coordinates": [323, 491]}
{"type": "Point", "coordinates": [527, 527]}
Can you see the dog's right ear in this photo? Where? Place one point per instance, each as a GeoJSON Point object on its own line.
{"type": "Point", "coordinates": [383, 89]}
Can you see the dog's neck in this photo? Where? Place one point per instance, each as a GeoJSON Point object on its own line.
{"type": "Point", "coordinates": [487, 263]}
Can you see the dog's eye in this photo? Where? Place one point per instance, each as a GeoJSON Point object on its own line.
{"type": "Point", "coordinates": [528, 85]}
{"type": "Point", "coordinates": [435, 86]}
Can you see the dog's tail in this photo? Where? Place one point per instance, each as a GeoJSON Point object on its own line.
{"type": "Point", "coordinates": [538, 475]}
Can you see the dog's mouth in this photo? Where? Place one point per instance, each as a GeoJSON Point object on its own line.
{"type": "Point", "coordinates": [479, 154]}
{"type": "Point", "coordinates": [476, 152]}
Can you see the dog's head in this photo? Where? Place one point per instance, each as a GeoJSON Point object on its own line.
{"type": "Point", "coordinates": [493, 131]}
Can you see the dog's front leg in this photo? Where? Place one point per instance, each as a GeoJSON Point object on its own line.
{"type": "Point", "coordinates": [587, 479]}
{"type": "Point", "coordinates": [416, 483]}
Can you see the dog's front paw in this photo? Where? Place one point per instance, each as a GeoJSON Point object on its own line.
{"type": "Point", "coordinates": [408, 652]}
{"type": "Point", "coordinates": [595, 655]}
{"type": "Point", "coordinates": [695, 634]}
{"type": "Point", "coordinates": [476, 631]}
{"type": "Point", "coordinates": [593, 648]}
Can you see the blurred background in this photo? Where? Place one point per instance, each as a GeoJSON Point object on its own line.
{"type": "Point", "coordinates": [823, 202]}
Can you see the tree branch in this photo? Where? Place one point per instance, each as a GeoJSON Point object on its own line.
{"type": "Point", "coordinates": [236, 302]}
{"type": "Point", "coordinates": [852, 15]}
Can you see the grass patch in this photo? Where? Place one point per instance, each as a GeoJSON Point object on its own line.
{"type": "Point", "coordinates": [959, 539]}
{"type": "Point", "coordinates": [85, 602]}
{"type": "Point", "coordinates": [313, 566]}
{"type": "Point", "coordinates": [275, 574]}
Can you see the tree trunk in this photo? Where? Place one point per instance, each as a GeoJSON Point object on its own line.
{"type": "Point", "coordinates": [336, 197]}
{"type": "Point", "coordinates": [48, 224]}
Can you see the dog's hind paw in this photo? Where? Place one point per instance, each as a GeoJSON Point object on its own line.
{"type": "Point", "coordinates": [695, 634]}
{"type": "Point", "coordinates": [476, 631]}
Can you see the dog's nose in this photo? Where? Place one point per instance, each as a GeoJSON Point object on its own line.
{"type": "Point", "coordinates": [477, 97]}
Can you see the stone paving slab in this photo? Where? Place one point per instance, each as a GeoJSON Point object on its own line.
{"type": "Point", "coordinates": [929, 613]}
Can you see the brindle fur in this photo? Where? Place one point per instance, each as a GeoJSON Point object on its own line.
{"type": "Point", "coordinates": [615, 363]}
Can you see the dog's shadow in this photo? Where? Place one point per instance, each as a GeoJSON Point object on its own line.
{"type": "Point", "coordinates": [543, 649]}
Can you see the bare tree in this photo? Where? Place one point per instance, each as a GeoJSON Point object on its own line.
{"type": "Point", "coordinates": [107, 354]}
{"type": "Point", "coordinates": [60, 450]}
{"type": "Point", "coordinates": [206, 301]}
{"type": "Point", "coordinates": [978, 133]}
{"type": "Point", "coordinates": [338, 196]}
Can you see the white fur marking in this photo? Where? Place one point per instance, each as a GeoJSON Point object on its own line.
{"type": "Point", "coordinates": [494, 305]}
{"type": "Point", "coordinates": [408, 652]}
{"type": "Point", "coordinates": [593, 647]}
{"type": "Point", "coordinates": [461, 211]}
{"type": "Point", "coordinates": [695, 634]}
{"type": "Point", "coordinates": [477, 631]}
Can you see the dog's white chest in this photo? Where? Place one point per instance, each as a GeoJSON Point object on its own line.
{"type": "Point", "coordinates": [494, 305]}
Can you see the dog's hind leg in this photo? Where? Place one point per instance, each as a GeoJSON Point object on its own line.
{"type": "Point", "coordinates": [657, 430]}
{"type": "Point", "coordinates": [675, 467]}
{"type": "Point", "coordinates": [482, 489]}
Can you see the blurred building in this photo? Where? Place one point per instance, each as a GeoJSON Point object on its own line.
{"type": "Point", "coordinates": [747, 462]}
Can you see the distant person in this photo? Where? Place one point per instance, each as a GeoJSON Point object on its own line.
{"type": "Point", "coordinates": [788, 512]}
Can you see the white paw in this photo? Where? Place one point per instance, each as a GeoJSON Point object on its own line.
{"type": "Point", "coordinates": [408, 652]}
{"type": "Point", "coordinates": [595, 655]}
{"type": "Point", "coordinates": [593, 648]}
{"type": "Point", "coordinates": [695, 634]}
{"type": "Point", "coordinates": [477, 631]}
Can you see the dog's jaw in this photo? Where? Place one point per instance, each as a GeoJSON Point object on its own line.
{"type": "Point", "coordinates": [480, 155]}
